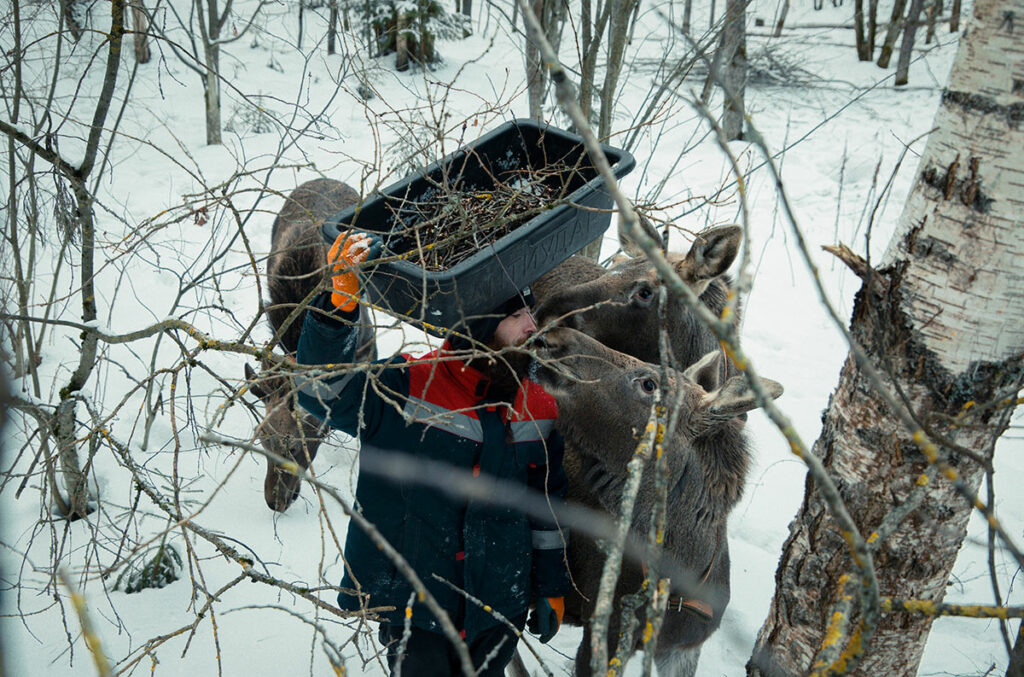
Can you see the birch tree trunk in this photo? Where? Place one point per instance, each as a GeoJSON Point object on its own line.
{"type": "Point", "coordinates": [944, 317]}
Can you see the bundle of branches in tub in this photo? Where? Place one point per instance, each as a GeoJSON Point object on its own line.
{"type": "Point", "coordinates": [442, 230]}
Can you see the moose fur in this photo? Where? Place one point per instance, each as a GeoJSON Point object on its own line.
{"type": "Point", "coordinates": [604, 399]}
{"type": "Point", "coordinates": [297, 265]}
{"type": "Point", "coordinates": [619, 306]}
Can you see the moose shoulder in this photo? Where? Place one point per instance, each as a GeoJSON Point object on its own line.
{"type": "Point", "coordinates": [605, 398]}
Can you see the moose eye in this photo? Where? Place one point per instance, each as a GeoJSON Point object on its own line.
{"type": "Point", "coordinates": [643, 294]}
{"type": "Point", "coordinates": [648, 385]}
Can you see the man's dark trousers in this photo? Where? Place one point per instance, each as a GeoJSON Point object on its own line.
{"type": "Point", "coordinates": [429, 654]}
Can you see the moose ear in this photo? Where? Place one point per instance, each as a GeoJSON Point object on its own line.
{"type": "Point", "coordinates": [735, 398]}
{"type": "Point", "coordinates": [629, 245]}
{"type": "Point", "coordinates": [254, 382]}
{"type": "Point", "coordinates": [712, 253]}
{"type": "Point", "coordinates": [708, 371]}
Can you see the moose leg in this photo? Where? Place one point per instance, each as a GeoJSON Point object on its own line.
{"type": "Point", "coordinates": [584, 653]}
{"type": "Point", "coordinates": [676, 662]}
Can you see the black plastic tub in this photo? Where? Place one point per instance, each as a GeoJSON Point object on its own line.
{"type": "Point", "coordinates": [439, 300]}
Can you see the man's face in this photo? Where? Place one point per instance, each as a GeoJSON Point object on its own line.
{"type": "Point", "coordinates": [514, 329]}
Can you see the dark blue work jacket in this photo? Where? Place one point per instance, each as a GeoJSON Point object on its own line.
{"type": "Point", "coordinates": [431, 408]}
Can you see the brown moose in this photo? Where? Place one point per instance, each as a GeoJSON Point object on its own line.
{"type": "Point", "coordinates": [295, 268]}
{"type": "Point", "coordinates": [605, 399]}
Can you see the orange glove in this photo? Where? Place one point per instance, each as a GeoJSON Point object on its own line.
{"type": "Point", "coordinates": [558, 605]}
{"type": "Point", "coordinates": [349, 250]}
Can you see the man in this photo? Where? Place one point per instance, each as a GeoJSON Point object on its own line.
{"type": "Point", "coordinates": [477, 415]}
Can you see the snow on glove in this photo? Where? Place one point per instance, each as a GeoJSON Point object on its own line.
{"type": "Point", "coordinates": [546, 618]}
{"type": "Point", "coordinates": [349, 250]}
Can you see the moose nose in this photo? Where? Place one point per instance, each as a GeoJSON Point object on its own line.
{"type": "Point", "coordinates": [551, 341]}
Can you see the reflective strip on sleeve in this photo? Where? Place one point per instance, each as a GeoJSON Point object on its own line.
{"type": "Point", "coordinates": [531, 431]}
{"type": "Point", "coordinates": [549, 539]}
{"type": "Point", "coordinates": [322, 389]}
{"type": "Point", "coordinates": [436, 416]}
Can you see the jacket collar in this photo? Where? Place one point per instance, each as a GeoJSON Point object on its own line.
{"type": "Point", "coordinates": [468, 378]}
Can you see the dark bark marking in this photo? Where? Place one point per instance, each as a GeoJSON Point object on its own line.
{"type": "Point", "coordinates": [985, 105]}
{"type": "Point", "coordinates": [930, 247]}
{"type": "Point", "coordinates": [967, 189]}
{"type": "Point", "coordinates": [1007, 21]}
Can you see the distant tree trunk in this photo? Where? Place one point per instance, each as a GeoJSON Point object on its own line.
{"type": "Point", "coordinates": [895, 24]}
{"type": "Point", "coordinates": [783, 11]}
{"type": "Point", "coordinates": [714, 70]}
{"type": "Point", "coordinates": [73, 14]}
{"type": "Point", "coordinates": [467, 11]}
{"type": "Point", "coordinates": [934, 11]}
{"type": "Point", "coordinates": [425, 43]}
{"type": "Point", "coordinates": [907, 48]}
{"type": "Point", "coordinates": [211, 92]}
{"type": "Point", "coordinates": [954, 17]}
{"type": "Point", "coordinates": [688, 15]}
{"type": "Point", "coordinates": [5, 404]}
{"type": "Point", "coordinates": [536, 76]}
{"type": "Point", "coordinates": [302, 7]}
{"type": "Point", "coordinates": [734, 73]}
{"type": "Point", "coordinates": [618, 30]}
{"type": "Point", "coordinates": [552, 19]}
{"type": "Point", "coordinates": [711, 21]}
{"type": "Point", "coordinates": [1016, 666]}
{"type": "Point", "coordinates": [210, 28]}
{"type": "Point", "coordinates": [872, 26]}
{"type": "Point", "coordinates": [401, 40]}
{"type": "Point", "coordinates": [860, 39]}
{"type": "Point", "coordinates": [75, 473]}
{"type": "Point", "coordinates": [945, 318]}
{"type": "Point", "coordinates": [140, 24]}
{"type": "Point", "coordinates": [592, 29]}
{"type": "Point", "coordinates": [332, 26]}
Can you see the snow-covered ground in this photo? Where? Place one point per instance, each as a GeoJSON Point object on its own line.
{"type": "Point", "coordinates": [842, 128]}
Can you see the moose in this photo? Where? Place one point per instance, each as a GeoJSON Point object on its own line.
{"type": "Point", "coordinates": [296, 267]}
{"type": "Point", "coordinates": [605, 398]}
{"type": "Point", "coordinates": [619, 306]}
{"type": "Point", "coordinates": [618, 309]}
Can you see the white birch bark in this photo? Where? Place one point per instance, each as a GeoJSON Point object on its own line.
{"type": "Point", "coordinates": [949, 329]}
